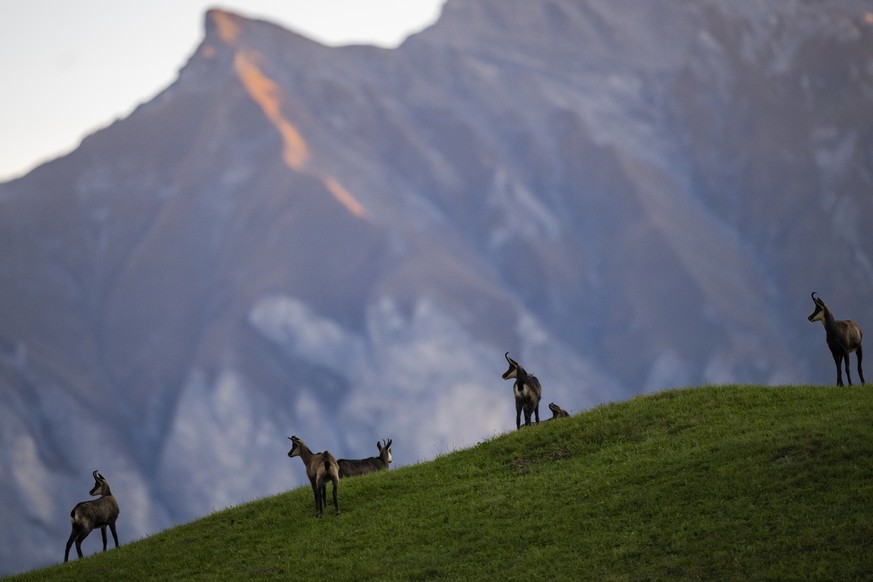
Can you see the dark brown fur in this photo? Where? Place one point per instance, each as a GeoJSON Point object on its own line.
{"type": "Point", "coordinates": [320, 468]}
{"type": "Point", "coordinates": [557, 411]}
{"type": "Point", "coordinates": [355, 467]}
{"type": "Point", "coordinates": [89, 515]}
{"type": "Point", "coordinates": [527, 391]}
{"type": "Point", "coordinates": [843, 337]}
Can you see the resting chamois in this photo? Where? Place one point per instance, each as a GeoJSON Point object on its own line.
{"type": "Point", "coordinates": [843, 337]}
{"type": "Point", "coordinates": [527, 392]}
{"type": "Point", "coordinates": [557, 411]}
{"type": "Point", "coordinates": [320, 467]}
{"type": "Point", "coordinates": [355, 467]}
{"type": "Point", "coordinates": [88, 515]}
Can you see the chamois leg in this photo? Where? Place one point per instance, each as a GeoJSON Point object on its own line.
{"type": "Point", "coordinates": [517, 414]}
{"type": "Point", "coordinates": [70, 541]}
{"type": "Point", "coordinates": [317, 500]}
{"type": "Point", "coordinates": [322, 499]}
{"type": "Point", "coordinates": [79, 539]}
{"type": "Point", "coordinates": [103, 534]}
{"type": "Point", "coordinates": [848, 371]}
{"type": "Point", "coordinates": [335, 502]}
{"type": "Point", "coordinates": [537, 412]}
{"type": "Point", "coordinates": [838, 360]}
{"type": "Point", "coordinates": [860, 357]}
{"type": "Point", "coordinates": [114, 533]}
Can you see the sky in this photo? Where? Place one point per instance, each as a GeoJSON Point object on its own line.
{"type": "Point", "coordinates": [71, 67]}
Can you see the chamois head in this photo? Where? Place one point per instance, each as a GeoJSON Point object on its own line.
{"type": "Point", "coordinates": [385, 450]}
{"type": "Point", "coordinates": [101, 487]}
{"type": "Point", "coordinates": [512, 372]}
{"type": "Point", "coordinates": [817, 313]}
{"type": "Point", "coordinates": [295, 446]}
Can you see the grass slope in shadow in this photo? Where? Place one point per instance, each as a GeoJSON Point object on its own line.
{"type": "Point", "coordinates": [706, 483]}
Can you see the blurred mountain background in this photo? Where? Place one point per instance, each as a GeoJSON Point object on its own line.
{"type": "Point", "coordinates": [341, 243]}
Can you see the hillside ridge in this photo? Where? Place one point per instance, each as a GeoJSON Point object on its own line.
{"type": "Point", "coordinates": [713, 482]}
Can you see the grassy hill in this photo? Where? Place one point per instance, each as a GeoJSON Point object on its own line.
{"type": "Point", "coordinates": [707, 483]}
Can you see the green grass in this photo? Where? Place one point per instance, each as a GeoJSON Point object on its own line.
{"type": "Point", "coordinates": [744, 483]}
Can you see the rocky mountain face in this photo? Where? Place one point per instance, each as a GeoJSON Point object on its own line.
{"type": "Point", "coordinates": [341, 243]}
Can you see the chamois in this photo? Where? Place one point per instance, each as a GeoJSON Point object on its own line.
{"type": "Point", "coordinates": [88, 515]}
{"type": "Point", "coordinates": [327, 470]}
{"type": "Point", "coordinates": [557, 411]}
{"type": "Point", "coordinates": [527, 392]}
{"type": "Point", "coordinates": [355, 467]}
{"type": "Point", "coordinates": [843, 337]}
{"type": "Point", "coordinates": [320, 467]}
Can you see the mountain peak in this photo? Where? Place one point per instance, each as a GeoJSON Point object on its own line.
{"type": "Point", "coordinates": [224, 25]}
{"type": "Point", "coordinates": [227, 29]}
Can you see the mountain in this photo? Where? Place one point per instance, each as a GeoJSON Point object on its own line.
{"type": "Point", "coordinates": [341, 243]}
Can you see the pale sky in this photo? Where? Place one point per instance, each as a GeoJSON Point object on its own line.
{"type": "Point", "coordinates": [71, 67]}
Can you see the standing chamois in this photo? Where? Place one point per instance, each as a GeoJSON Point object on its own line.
{"type": "Point", "coordinates": [527, 392]}
{"type": "Point", "coordinates": [320, 467]}
{"type": "Point", "coordinates": [843, 337]}
{"type": "Point", "coordinates": [88, 515]}
{"type": "Point", "coordinates": [355, 467]}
